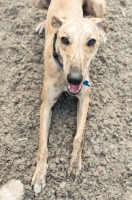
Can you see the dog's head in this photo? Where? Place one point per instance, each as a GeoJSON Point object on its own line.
{"type": "Point", "coordinates": [76, 45]}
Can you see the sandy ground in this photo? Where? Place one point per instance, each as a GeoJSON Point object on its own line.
{"type": "Point", "coordinates": [107, 153]}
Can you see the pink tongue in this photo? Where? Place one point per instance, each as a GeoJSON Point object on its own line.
{"type": "Point", "coordinates": [74, 88]}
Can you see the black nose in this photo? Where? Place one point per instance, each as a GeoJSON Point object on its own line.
{"type": "Point", "coordinates": [74, 78]}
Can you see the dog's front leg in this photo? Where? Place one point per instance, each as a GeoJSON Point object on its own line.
{"type": "Point", "coordinates": [50, 95]}
{"type": "Point", "coordinates": [75, 162]}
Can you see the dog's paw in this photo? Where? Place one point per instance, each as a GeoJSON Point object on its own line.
{"type": "Point", "coordinates": [39, 178]}
{"type": "Point", "coordinates": [75, 167]}
{"type": "Point", "coordinates": [40, 27]}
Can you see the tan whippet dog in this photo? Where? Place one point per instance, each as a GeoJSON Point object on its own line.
{"type": "Point", "coordinates": [71, 43]}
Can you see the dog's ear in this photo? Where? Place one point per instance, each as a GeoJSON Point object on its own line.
{"type": "Point", "coordinates": [100, 23]}
{"type": "Point", "coordinates": [41, 4]}
{"type": "Point", "coordinates": [102, 26]}
{"type": "Point", "coordinates": [57, 23]}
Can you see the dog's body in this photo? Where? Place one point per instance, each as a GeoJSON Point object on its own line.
{"type": "Point", "coordinates": [76, 43]}
{"type": "Point", "coordinates": [13, 190]}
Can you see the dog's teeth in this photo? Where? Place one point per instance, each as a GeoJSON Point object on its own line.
{"type": "Point", "coordinates": [69, 88]}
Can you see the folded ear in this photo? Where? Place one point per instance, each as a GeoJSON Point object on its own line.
{"type": "Point", "coordinates": [102, 26]}
{"type": "Point", "coordinates": [56, 22]}
{"type": "Point", "coordinates": [41, 4]}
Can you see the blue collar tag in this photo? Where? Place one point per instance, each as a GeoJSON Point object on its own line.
{"type": "Point", "coordinates": [86, 83]}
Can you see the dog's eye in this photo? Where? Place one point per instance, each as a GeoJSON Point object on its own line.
{"type": "Point", "coordinates": [64, 40]}
{"type": "Point", "coordinates": [91, 42]}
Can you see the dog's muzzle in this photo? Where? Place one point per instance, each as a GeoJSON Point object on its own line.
{"type": "Point", "coordinates": [74, 82]}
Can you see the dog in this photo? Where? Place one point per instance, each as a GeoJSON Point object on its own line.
{"type": "Point", "coordinates": [71, 43]}
{"type": "Point", "coordinates": [13, 190]}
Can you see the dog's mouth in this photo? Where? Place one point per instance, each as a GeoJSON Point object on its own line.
{"type": "Point", "coordinates": [74, 89]}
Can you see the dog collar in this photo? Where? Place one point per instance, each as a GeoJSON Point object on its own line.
{"type": "Point", "coordinates": [56, 58]}
{"type": "Point", "coordinates": [55, 55]}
